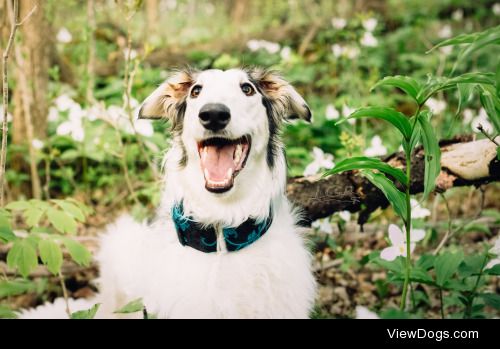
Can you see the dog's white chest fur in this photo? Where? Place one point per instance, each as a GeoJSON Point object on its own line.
{"type": "Point", "coordinates": [269, 279]}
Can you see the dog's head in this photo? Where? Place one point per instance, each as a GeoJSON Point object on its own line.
{"type": "Point", "coordinates": [226, 122]}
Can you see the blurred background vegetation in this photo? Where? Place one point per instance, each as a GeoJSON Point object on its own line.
{"type": "Point", "coordinates": [80, 69]}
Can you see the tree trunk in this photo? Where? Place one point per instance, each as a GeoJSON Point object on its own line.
{"type": "Point", "coordinates": [238, 9]}
{"type": "Point", "coordinates": [35, 48]}
{"type": "Point", "coordinates": [152, 9]}
{"type": "Point", "coordinates": [32, 63]}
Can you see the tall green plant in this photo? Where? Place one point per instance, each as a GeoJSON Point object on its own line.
{"type": "Point", "coordinates": [415, 128]}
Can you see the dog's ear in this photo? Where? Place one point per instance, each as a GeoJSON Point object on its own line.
{"type": "Point", "coordinates": [162, 102]}
{"type": "Point", "coordinates": [286, 100]}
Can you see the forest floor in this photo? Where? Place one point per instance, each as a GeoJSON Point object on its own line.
{"type": "Point", "coordinates": [344, 280]}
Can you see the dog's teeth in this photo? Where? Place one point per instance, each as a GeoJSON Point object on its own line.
{"type": "Point", "coordinates": [206, 174]}
{"type": "Point", "coordinates": [229, 173]}
{"type": "Point", "coordinates": [238, 153]}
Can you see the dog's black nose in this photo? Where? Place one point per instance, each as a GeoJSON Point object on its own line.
{"type": "Point", "coordinates": [214, 116]}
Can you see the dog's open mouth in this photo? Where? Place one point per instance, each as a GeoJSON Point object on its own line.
{"type": "Point", "coordinates": [221, 160]}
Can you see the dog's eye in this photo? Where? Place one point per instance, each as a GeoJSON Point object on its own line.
{"type": "Point", "coordinates": [195, 92]}
{"type": "Point", "coordinates": [247, 89]}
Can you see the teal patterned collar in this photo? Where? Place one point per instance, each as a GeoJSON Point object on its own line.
{"type": "Point", "coordinates": [204, 239]}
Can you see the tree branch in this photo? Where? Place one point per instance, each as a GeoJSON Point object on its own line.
{"type": "Point", "coordinates": [463, 162]}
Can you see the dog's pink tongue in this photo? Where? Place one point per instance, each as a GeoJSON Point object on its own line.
{"type": "Point", "coordinates": [217, 162]}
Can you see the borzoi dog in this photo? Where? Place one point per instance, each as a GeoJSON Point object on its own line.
{"type": "Point", "coordinates": [224, 243]}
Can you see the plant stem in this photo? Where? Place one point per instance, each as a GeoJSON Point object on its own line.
{"type": "Point", "coordinates": [65, 293]}
{"type": "Point", "coordinates": [407, 221]}
{"type": "Point", "coordinates": [441, 302]}
{"type": "Point", "coordinates": [472, 295]}
{"type": "Point", "coordinates": [408, 232]}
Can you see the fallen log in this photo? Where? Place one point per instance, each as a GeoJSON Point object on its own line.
{"type": "Point", "coordinates": [464, 163]}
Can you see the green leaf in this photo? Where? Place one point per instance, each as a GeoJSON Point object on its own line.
{"type": "Point", "coordinates": [132, 307]}
{"type": "Point", "coordinates": [78, 252]}
{"type": "Point", "coordinates": [408, 85]}
{"type": "Point", "coordinates": [16, 287]}
{"type": "Point", "coordinates": [397, 119]}
{"type": "Point", "coordinates": [86, 314]}
{"type": "Point", "coordinates": [491, 299]}
{"type": "Point", "coordinates": [51, 255]}
{"type": "Point", "coordinates": [7, 313]}
{"type": "Point", "coordinates": [432, 154]}
{"type": "Point", "coordinates": [465, 92]}
{"type": "Point", "coordinates": [22, 256]}
{"type": "Point", "coordinates": [420, 275]}
{"type": "Point", "coordinates": [32, 215]}
{"type": "Point", "coordinates": [85, 209]}
{"type": "Point", "coordinates": [425, 262]}
{"type": "Point", "coordinates": [395, 197]}
{"type": "Point", "coordinates": [63, 222]}
{"type": "Point", "coordinates": [408, 147]}
{"type": "Point", "coordinates": [488, 37]}
{"type": "Point", "coordinates": [446, 265]}
{"type": "Point", "coordinates": [394, 266]}
{"type": "Point", "coordinates": [476, 227]}
{"type": "Point", "coordinates": [395, 314]}
{"type": "Point", "coordinates": [471, 265]}
{"type": "Point", "coordinates": [6, 233]}
{"type": "Point", "coordinates": [488, 102]}
{"type": "Point", "coordinates": [494, 270]}
{"type": "Point", "coordinates": [457, 40]}
{"type": "Point", "coordinates": [362, 162]}
{"type": "Point", "coordinates": [18, 206]}
{"type": "Point", "coordinates": [434, 85]}
{"type": "Point", "coordinates": [71, 209]}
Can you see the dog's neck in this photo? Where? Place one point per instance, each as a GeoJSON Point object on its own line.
{"type": "Point", "coordinates": [257, 189]}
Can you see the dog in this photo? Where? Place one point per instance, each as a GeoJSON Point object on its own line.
{"type": "Point", "coordinates": [225, 241]}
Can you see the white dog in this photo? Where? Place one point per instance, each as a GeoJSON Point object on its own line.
{"type": "Point", "coordinates": [224, 243]}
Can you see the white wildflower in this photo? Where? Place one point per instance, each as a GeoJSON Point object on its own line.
{"type": "Point", "coordinates": [368, 40]}
{"type": "Point", "coordinates": [496, 9]}
{"type": "Point", "coordinates": [445, 32]}
{"type": "Point", "coordinates": [370, 24]}
{"type": "Point", "coordinates": [37, 144]}
{"type": "Point", "coordinates": [417, 211]}
{"type": "Point", "coordinates": [398, 242]}
{"type": "Point", "coordinates": [365, 313]}
{"type": "Point", "coordinates": [130, 53]}
{"type": "Point", "coordinates": [376, 147]}
{"type": "Point", "coordinates": [64, 102]}
{"type": "Point", "coordinates": [468, 116]}
{"type": "Point", "coordinates": [64, 36]}
{"type": "Point", "coordinates": [346, 111]}
{"type": "Point", "coordinates": [323, 225]}
{"type": "Point", "coordinates": [53, 114]}
{"type": "Point", "coordinates": [351, 52]}
{"type": "Point", "coordinates": [270, 47]}
{"type": "Point", "coordinates": [320, 160]}
{"type": "Point", "coordinates": [345, 216]}
{"type": "Point", "coordinates": [286, 53]}
{"type": "Point", "coordinates": [337, 50]}
{"type": "Point", "coordinates": [482, 119]}
{"type": "Point", "coordinates": [495, 250]}
{"type": "Point", "coordinates": [458, 15]}
{"type": "Point", "coordinates": [446, 50]}
{"type": "Point", "coordinates": [331, 112]}
{"type": "Point", "coordinates": [436, 106]}
{"type": "Point", "coordinates": [73, 128]}
{"type": "Point", "coordinates": [339, 23]}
